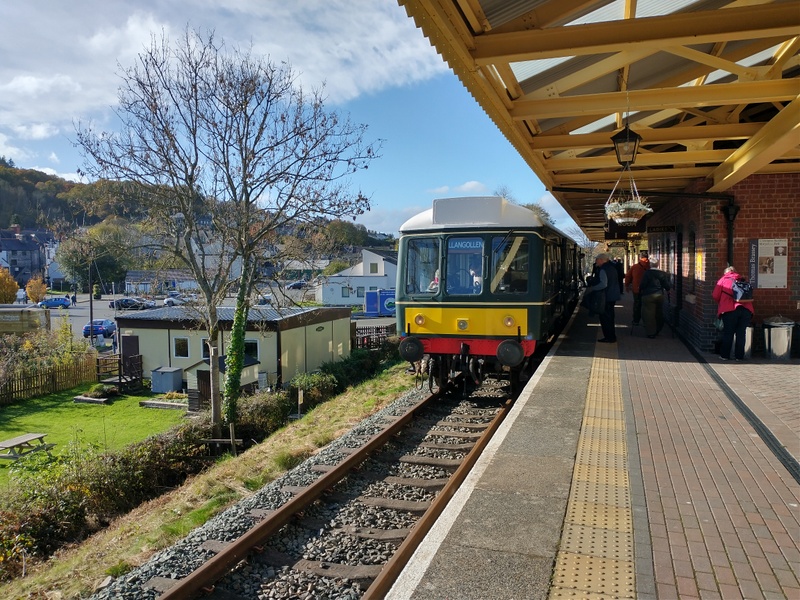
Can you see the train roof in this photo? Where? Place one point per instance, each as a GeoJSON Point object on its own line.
{"type": "Point", "coordinates": [472, 211]}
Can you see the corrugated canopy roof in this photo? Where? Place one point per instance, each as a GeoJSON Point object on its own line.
{"type": "Point", "coordinates": [712, 86]}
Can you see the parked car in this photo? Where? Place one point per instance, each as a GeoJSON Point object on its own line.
{"type": "Point", "coordinates": [179, 299]}
{"type": "Point", "coordinates": [54, 302]}
{"type": "Point", "coordinates": [131, 303]}
{"type": "Point", "coordinates": [297, 285]}
{"type": "Point", "coordinates": [100, 327]}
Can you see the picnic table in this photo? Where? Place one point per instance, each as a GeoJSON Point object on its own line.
{"type": "Point", "coordinates": [19, 446]}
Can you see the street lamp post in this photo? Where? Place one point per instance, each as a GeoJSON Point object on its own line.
{"type": "Point", "coordinates": [91, 303]}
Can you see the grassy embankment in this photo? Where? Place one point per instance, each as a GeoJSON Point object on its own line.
{"type": "Point", "coordinates": [131, 540]}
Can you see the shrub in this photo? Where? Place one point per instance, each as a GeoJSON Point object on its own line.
{"type": "Point", "coordinates": [61, 499]}
{"type": "Point", "coordinates": [102, 390]}
{"type": "Point", "coordinates": [15, 546]}
{"type": "Point", "coordinates": [262, 414]}
{"type": "Point", "coordinates": [390, 349]}
{"type": "Point", "coordinates": [359, 366]}
{"type": "Point", "coordinates": [317, 387]}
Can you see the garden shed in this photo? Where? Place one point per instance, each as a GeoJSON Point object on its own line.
{"type": "Point", "coordinates": [279, 342]}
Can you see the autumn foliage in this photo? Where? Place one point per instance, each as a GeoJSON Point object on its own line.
{"type": "Point", "coordinates": [8, 287]}
{"type": "Point", "coordinates": [36, 289]}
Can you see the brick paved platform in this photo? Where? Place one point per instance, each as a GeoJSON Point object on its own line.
{"type": "Point", "coordinates": [642, 469]}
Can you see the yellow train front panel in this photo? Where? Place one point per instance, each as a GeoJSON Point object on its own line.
{"type": "Point", "coordinates": [472, 320]}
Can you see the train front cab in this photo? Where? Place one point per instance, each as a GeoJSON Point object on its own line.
{"type": "Point", "coordinates": [475, 300]}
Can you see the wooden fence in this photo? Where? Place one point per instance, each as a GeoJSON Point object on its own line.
{"type": "Point", "coordinates": [373, 337]}
{"type": "Point", "coordinates": [29, 384]}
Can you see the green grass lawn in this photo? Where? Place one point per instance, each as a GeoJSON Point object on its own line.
{"type": "Point", "coordinates": [113, 426]}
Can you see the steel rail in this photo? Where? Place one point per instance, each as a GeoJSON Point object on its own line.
{"type": "Point", "coordinates": [216, 567]}
{"type": "Point", "coordinates": [392, 569]}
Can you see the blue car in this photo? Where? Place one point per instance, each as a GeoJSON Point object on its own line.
{"type": "Point", "coordinates": [54, 302]}
{"type": "Point", "coordinates": [100, 327]}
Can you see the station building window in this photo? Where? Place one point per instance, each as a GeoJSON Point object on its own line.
{"type": "Point", "coordinates": [180, 347]}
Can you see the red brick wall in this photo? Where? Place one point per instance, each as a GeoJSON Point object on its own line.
{"type": "Point", "coordinates": [769, 208]}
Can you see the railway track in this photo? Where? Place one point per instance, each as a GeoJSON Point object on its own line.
{"type": "Point", "coordinates": [341, 525]}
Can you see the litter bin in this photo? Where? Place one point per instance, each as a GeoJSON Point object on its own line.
{"type": "Point", "coordinates": [778, 337]}
{"type": "Point", "coordinates": [748, 343]}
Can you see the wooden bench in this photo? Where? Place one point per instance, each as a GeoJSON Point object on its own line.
{"type": "Point", "coordinates": [17, 447]}
{"type": "Point", "coordinates": [222, 441]}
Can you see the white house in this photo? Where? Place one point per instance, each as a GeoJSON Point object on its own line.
{"type": "Point", "coordinates": [376, 271]}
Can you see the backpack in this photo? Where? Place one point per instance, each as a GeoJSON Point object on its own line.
{"type": "Point", "coordinates": [742, 290]}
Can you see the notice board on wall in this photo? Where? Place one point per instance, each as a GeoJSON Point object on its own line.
{"type": "Point", "coordinates": [769, 263]}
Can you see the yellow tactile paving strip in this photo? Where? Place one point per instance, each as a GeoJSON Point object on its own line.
{"type": "Point", "coordinates": [596, 557]}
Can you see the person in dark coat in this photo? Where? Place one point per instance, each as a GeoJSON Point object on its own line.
{"type": "Point", "coordinates": [620, 275]}
{"type": "Point", "coordinates": [609, 283]}
{"type": "Point", "coordinates": [652, 287]}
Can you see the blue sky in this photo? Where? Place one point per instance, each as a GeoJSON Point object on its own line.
{"type": "Point", "coordinates": [62, 62]}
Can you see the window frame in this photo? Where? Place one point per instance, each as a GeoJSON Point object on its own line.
{"type": "Point", "coordinates": [175, 341]}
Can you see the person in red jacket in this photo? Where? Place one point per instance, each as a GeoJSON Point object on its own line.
{"type": "Point", "coordinates": [735, 315]}
{"type": "Point", "coordinates": [632, 280]}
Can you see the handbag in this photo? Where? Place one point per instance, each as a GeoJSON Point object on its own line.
{"type": "Point", "coordinates": [595, 301]}
{"type": "Point", "coordinates": [718, 325]}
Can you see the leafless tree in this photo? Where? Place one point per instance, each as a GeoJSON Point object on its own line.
{"type": "Point", "coordinates": [540, 211]}
{"type": "Point", "coordinates": [225, 149]}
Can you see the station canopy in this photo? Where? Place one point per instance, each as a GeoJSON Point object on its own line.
{"type": "Point", "coordinates": [711, 86]}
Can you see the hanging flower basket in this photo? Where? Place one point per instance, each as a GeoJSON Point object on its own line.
{"type": "Point", "coordinates": [627, 206]}
{"type": "Point", "coordinates": [627, 211]}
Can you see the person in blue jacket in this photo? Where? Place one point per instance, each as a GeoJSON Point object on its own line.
{"type": "Point", "coordinates": [608, 281]}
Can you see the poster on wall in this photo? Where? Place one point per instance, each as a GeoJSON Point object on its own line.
{"type": "Point", "coordinates": [769, 263]}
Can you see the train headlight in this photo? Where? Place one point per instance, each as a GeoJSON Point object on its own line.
{"type": "Point", "coordinates": [462, 324]}
{"type": "Point", "coordinates": [419, 320]}
{"type": "Point", "coordinates": [509, 321]}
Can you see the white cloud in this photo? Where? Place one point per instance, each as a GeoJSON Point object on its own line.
{"type": "Point", "coordinates": [443, 189]}
{"type": "Point", "coordinates": [68, 176]}
{"type": "Point", "coordinates": [355, 47]}
{"type": "Point", "coordinates": [9, 150]}
{"type": "Point", "coordinates": [389, 220]}
{"type": "Point", "coordinates": [35, 131]}
{"type": "Point", "coordinates": [472, 187]}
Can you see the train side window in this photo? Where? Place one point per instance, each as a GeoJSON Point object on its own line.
{"type": "Point", "coordinates": [464, 271]}
{"type": "Point", "coordinates": [509, 273]}
{"type": "Point", "coordinates": [422, 266]}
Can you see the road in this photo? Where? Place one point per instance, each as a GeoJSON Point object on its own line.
{"type": "Point", "coordinates": [79, 315]}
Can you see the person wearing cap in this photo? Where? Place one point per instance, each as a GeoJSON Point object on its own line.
{"type": "Point", "coordinates": [608, 283]}
{"type": "Point", "coordinates": [651, 290]}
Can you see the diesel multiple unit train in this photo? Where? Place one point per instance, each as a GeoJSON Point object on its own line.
{"type": "Point", "coordinates": [480, 282]}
